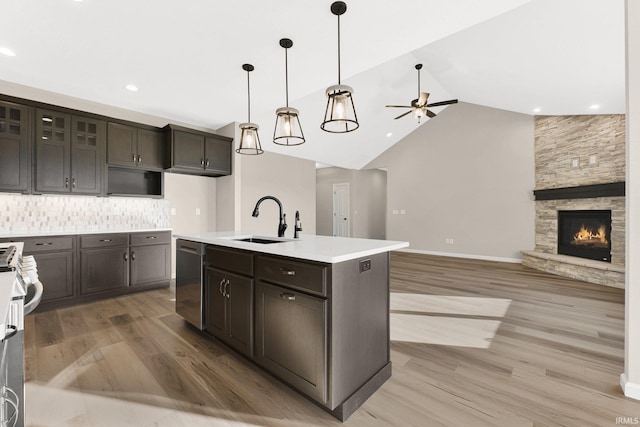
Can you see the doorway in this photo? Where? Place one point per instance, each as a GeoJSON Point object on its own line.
{"type": "Point", "coordinates": [341, 213]}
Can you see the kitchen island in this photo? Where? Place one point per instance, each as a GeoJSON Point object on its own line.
{"type": "Point", "coordinates": [312, 311]}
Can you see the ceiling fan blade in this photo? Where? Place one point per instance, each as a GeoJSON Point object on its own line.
{"type": "Point", "coordinates": [424, 96]}
{"type": "Point", "coordinates": [398, 106]}
{"type": "Point", "coordinates": [403, 114]}
{"type": "Point", "coordinates": [431, 113]}
{"type": "Point", "coordinates": [437, 104]}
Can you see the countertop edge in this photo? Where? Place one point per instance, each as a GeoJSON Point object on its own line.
{"type": "Point", "coordinates": [19, 234]}
{"type": "Point", "coordinates": [295, 248]}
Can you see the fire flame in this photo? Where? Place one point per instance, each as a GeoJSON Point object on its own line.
{"type": "Point", "coordinates": [587, 234]}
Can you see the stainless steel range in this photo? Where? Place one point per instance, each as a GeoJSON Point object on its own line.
{"type": "Point", "coordinates": [12, 293]}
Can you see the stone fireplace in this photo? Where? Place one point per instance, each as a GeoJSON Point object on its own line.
{"type": "Point", "coordinates": [580, 174]}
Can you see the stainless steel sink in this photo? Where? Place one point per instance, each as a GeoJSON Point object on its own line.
{"type": "Point", "coordinates": [259, 240]}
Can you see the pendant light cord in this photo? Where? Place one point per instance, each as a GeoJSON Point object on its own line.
{"type": "Point", "coordinates": [339, 49]}
{"type": "Point", "coordinates": [418, 84]}
{"type": "Point", "coordinates": [248, 99]}
{"type": "Point", "coordinates": [286, 75]}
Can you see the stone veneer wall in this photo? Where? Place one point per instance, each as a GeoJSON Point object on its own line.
{"type": "Point", "coordinates": [559, 140]}
{"type": "Point", "coordinates": [53, 213]}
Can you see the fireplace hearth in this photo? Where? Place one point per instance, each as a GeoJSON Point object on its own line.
{"type": "Point", "coordinates": [585, 234]}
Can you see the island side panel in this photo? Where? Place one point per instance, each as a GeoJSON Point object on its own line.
{"type": "Point", "coordinates": [359, 322]}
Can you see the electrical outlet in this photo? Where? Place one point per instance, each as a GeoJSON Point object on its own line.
{"type": "Point", "coordinates": [365, 265]}
{"type": "Point", "coordinates": [575, 163]}
{"type": "Point", "coordinates": [173, 211]}
{"type": "Point", "coordinates": [197, 211]}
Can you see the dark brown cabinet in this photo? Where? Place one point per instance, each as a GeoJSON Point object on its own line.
{"type": "Point", "coordinates": [104, 262]}
{"type": "Point", "coordinates": [150, 255]}
{"type": "Point", "coordinates": [229, 305]}
{"type": "Point", "coordinates": [69, 153]}
{"type": "Point", "coordinates": [291, 337]}
{"type": "Point", "coordinates": [130, 146]}
{"type": "Point", "coordinates": [76, 269]}
{"type": "Point", "coordinates": [200, 153]}
{"type": "Point", "coordinates": [54, 256]}
{"type": "Point", "coordinates": [15, 147]}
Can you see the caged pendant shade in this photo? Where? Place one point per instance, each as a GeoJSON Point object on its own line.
{"type": "Point", "coordinates": [249, 139]}
{"type": "Point", "coordinates": [340, 114]}
{"type": "Point", "coordinates": [288, 130]}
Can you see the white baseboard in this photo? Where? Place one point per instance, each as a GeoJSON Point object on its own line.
{"type": "Point", "coordinates": [467, 256]}
{"type": "Point", "coordinates": [629, 389]}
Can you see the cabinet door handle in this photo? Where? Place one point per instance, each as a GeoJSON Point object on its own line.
{"type": "Point", "coordinates": [227, 290]}
{"type": "Point", "coordinates": [133, 256]}
{"type": "Point", "coordinates": [288, 296]}
{"type": "Point", "coordinates": [222, 283]}
{"type": "Point", "coordinates": [73, 182]}
{"type": "Point", "coordinates": [66, 183]}
{"type": "Point", "coordinates": [134, 157]}
{"type": "Point", "coordinates": [202, 162]}
{"type": "Point", "coordinates": [206, 163]}
{"type": "Point", "coordinates": [44, 244]}
{"type": "Point", "coordinates": [139, 158]}
{"type": "Point", "coordinates": [151, 237]}
{"type": "Point", "coordinates": [287, 272]}
{"type": "Point", "coordinates": [126, 256]}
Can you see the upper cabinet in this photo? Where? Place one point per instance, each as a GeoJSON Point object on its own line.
{"type": "Point", "coordinates": [131, 146]}
{"type": "Point", "coordinates": [15, 143]}
{"type": "Point", "coordinates": [69, 153]}
{"type": "Point", "coordinates": [199, 153]}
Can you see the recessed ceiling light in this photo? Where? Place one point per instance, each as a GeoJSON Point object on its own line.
{"type": "Point", "coordinates": [7, 51]}
{"type": "Point", "coordinates": [594, 107]}
{"type": "Point", "coordinates": [536, 110]}
{"type": "Point", "coordinates": [132, 87]}
{"type": "Point", "coordinates": [389, 135]}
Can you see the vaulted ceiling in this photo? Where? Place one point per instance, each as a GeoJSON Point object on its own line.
{"type": "Point", "coordinates": [533, 57]}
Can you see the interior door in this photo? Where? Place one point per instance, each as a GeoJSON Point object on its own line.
{"type": "Point", "coordinates": [341, 210]}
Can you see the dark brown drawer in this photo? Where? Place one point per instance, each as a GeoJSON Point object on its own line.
{"type": "Point", "coordinates": [46, 244]}
{"type": "Point", "coordinates": [305, 276]}
{"type": "Point", "coordinates": [230, 260]}
{"type": "Point", "coordinates": [103, 240]}
{"type": "Point", "coordinates": [150, 238]}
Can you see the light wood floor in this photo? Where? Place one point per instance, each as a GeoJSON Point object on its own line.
{"type": "Point", "coordinates": [482, 344]}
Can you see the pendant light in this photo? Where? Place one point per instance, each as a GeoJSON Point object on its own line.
{"type": "Point", "coordinates": [249, 139]}
{"type": "Point", "coordinates": [288, 130]}
{"type": "Point", "coordinates": [340, 115]}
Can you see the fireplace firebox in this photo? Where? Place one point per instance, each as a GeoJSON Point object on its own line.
{"type": "Point", "coordinates": [585, 234]}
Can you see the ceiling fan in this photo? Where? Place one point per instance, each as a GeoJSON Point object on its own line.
{"type": "Point", "coordinates": [419, 105]}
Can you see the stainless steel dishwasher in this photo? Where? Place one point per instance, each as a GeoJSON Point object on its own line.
{"type": "Point", "coordinates": [190, 281]}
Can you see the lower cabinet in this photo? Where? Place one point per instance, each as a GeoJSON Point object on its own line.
{"type": "Point", "coordinates": [75, 269]}
{"type": "Point", "coordinates": [55, 258]}
{"type": "Point", "coordinates": [291, 337]}
{"type": "Point", "coordinates": [104, 262]}
{"type": "Point", "coordinates": [150, 258]}
{"type": "Point", "coordinates": [229, 313]}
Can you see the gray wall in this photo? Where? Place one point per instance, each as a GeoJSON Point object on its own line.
{"type": "Point", "coordinates": [467, 175]}
{"type": "Point", "coordinates": [367, 204]}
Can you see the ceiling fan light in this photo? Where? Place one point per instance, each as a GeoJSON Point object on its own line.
{"type": "Point", "coordinates": [249, 140]}
{"type": "Point", "coordinates": [340, 114]}
{"type": "Point", "coordinates": [288, 130]}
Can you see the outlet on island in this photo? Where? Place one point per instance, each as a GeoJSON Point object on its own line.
{"type": "Point", "coordinates": [365, 265]}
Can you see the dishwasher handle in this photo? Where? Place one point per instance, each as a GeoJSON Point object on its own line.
{"type": "Point", "coordinates": [187, 246]}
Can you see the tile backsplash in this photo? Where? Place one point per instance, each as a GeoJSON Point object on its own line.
{"type": "Point", "coordinates": [53, 213]}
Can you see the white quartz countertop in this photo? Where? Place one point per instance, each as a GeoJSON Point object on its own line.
{"type": "Point", "coordinates": [310, 247]}
{"type": "Point", "coordinates": [40, 233]}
